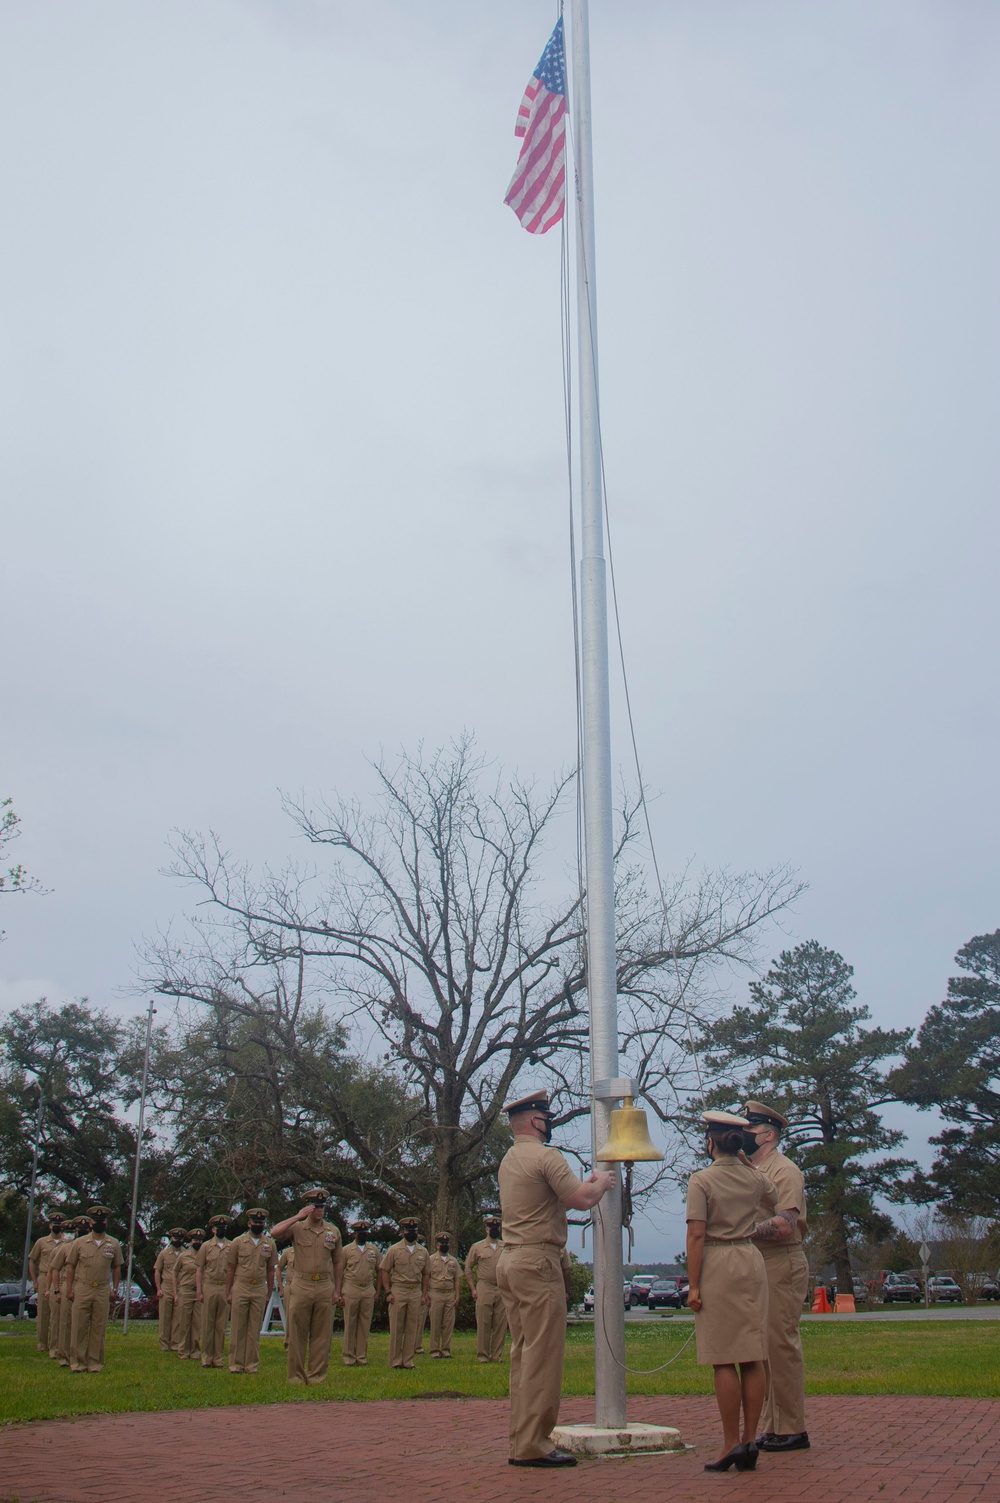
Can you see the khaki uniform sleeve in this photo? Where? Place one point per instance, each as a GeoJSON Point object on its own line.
{"type": "Point", "coordinates": [272, 1261]}
{"type": "Point", "coordinates": [233, 1255]}
{"type": "Point", "coordinates": [768, 1196]}
{"type": "Point", "coordinates": [158, 1265]}
{"type": "Point", "coordinates": [116, 1261]}
{"type": "Point", "coordinates": [697, 1201]}
{"type": "Point", "coordinates": [471, 1259]}
{"type": "Point", "coordinates": [559, 1175]}
{"type": "Point", "coordinates": [202, 1255]}
{"type": "Point", "coordinates": [388, 1261]}
{"type": "Point", "coordinates": [73, 1256]}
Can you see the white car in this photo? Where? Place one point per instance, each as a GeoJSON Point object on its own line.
{"type": "Point", "coordinates": [944, 1288]}
{"type": "Point", "coordinates": [588, 1299]}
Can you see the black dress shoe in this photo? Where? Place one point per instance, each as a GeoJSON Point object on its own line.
{"type": "Point", "coordinates": [798, 1442]}
{"type": "Point", "coordinates": [554, 1458]}
{"type": "Point", "coordinates": [767, 1435]}
{"type": "Point", "coordinates": [743, 1458]}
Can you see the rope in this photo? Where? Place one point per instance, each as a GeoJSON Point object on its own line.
{"type": "Point", "coordinates": [640, 1372]}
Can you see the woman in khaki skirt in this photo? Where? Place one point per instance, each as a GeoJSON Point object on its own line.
{"type": "Point", "coordinates": [728, 1289]}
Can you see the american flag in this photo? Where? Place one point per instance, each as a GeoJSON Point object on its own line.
{"type": "Point", "coordinates": [537, 191]}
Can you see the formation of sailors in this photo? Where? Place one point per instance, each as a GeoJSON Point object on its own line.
{"type": "Point", "coordinates": [207, 1279]}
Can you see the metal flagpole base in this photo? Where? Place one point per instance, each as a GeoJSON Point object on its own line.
{"type": "Point", "coordinates": [626, 1440]}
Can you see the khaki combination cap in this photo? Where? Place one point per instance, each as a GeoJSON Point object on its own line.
{"type": "Point", "coordinates": [256, 1212]}
{"type": "Point", "coordinates": [177, 1231]}
{"type": "Point", "coordinates": [79, 1223]}
{"type": "Point", "coordinates": [722, 1120]}
{"type": "Point", "coordinates": [55, 1218]}
{"type": "Point", "coordinates": [443, 1237]}
{"type": "Point", "coordinates": [758, 1114]}
{"type": "Point", "coordinates": [408, 1221]}
{"type": "Point", "coordinates": [361, 1226]}
{"type": "Point", "coordinates": [219, 1220]}
{"type": "Point", "coordinates": [492, 1215]}
{"type": "Point", "coordinates": [534, 1101]}
{"type": "Point", "coordinates": [316, 1196]}
{"type": "Point", "coordinates": [98, 1211]}
{"type": "Point", "coordinates": [196, 1231]}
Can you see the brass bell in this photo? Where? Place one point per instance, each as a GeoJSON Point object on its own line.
{"type": "Point", "coordinates": [629, 1142]}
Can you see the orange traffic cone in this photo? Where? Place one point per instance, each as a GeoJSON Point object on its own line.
{"type": "Point", "coordinates": [821, 1305]}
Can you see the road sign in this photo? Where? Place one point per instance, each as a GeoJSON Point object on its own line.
{"type": "Point", "coordinates": [925, 1253]}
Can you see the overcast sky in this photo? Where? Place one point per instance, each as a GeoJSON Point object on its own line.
{"type": "Point", "coordinates": [282, 449]}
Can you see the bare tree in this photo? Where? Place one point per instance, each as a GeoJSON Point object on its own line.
{"type": "Point", "coordinates": [429, 932]}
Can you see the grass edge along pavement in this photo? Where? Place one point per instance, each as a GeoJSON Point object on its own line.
{"type": "Point", "coordinates": [958, 1359]}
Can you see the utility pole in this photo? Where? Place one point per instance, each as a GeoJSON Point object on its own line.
{"type": "Point", "coordinates": [31, 1204]}
{"type": "Point", "coordinates": [138, 1158]}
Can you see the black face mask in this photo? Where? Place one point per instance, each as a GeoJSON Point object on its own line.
{"type": "Point", "coordinates": [177, 1242]}
{"type": "Point", "coordinates": [548, 1127]}
{"type": "Point", "coordinates": [443, 1247]}
{"type": "Point", "coordinates": [257, 1227]}
{"type": "Point", "coordinates": [361, 1238]}
{"type": "Point", "coordinates": [196, 1242]}
{"type": "Point", "coordinates": [99, 1223]}
{"type": "Point", "coordinates": [219, 1232]}
{"type": "Point", "coordinates": [494, 1228]}
{"type": "Point", "coordinates": [750, 1144]}
{"type": "Point", "coordinates": [410, 1234]}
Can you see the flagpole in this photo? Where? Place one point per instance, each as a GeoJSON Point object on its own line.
{"type": "Point", "coordinates": [602, 991]}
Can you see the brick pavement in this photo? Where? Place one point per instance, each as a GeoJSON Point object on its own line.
{"type": "Point", "coordinates": [866, 1450]}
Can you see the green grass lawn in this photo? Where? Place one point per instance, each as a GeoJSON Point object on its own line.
{"type": "Point", "coordinates": [959, 1358]}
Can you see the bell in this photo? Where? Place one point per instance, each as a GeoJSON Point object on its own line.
{"type": "Point", "coordinates": [629, 1142]}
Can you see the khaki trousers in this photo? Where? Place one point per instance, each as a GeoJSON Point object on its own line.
{"type": "Point", "coordinates": [42, 1322]}
{"type": "Point", "coordinates": [247, 1315]}
{"type": "Point", "coordinates": [167, 1322]}
{"type": "Point", "coordinates": [64, 1326]}
{"type": "Point", "coordinates": [186, 1324]}
{"type": "Point", "coordinates": [406, 1320]}
{"type": "Point", "coordinates": [359, 1303]}
{"type": "Point", "coordinates": [787, 1286]}
{"type": "Point", "coordinates": [491, 1323]}
{"type": "Point", "coordinates": [310, 1323]}
{"type": "Point", "coordinates": [534, 1295]}
{"type": "Point", "coordinates": [214, 1311]}
{"type": "Point", "coordinates": [89, 1323]}
{"type": "Point", "coordinates": [55, 1322]}
{"type": "Point", "coordinates": [442, 1322]}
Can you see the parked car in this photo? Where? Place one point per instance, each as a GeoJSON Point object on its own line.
{"type": "Point", "coordinates": [641, 1285]}
{"type": "Point", "coordinates": [588, 1298]}
{"type": "Point", "coordinates": [141, 1306]}
{"type": "Point", "coordinates": [10, 1299]}
{"type": "Point", "coordinates": [990, 1290]}
{"type": "Point", "coordinates": [667, 1294]}
{"type": "Point", "coordinates": [944, 1288]}
{"type": "Point", "coordinates": [901, 1289]}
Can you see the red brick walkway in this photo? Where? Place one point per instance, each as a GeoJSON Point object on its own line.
{"type": "Point", "coordinates": [446, 1451]}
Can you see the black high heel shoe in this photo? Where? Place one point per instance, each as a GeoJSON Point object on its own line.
{"type": "Point", "coordinates": [749, 1463]}
{"type": "Point", "coordinates": [739, 1457]}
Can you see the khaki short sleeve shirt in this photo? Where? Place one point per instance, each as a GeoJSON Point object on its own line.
{"type": "Point", "coordinates": [361, 1264]}
{"type": "Point", "coordinates": [94, 1261]}
{"type": "Point", "coordinates": [482, 1259]}
{"type": "Point", "coordinates": [213, 1259]}
{"type": "Point", "coordinates": [185, 1269]}
{"type": "Point", "coordinates": [403, 1268]}
{"type": "Point", "coordinates": [42, 1253]}
{"type": "Point", "coordinates": [534, 1182]}
{"type": "Point", "coordinates": [790, 1192]}
{"type": "Point", "coordinates": [728, 1197]}
{"type": "Point", "coordinates": [316, 1251]}
{"type": "Point", "coordinates": [442, 1273]}
{"type": "Point", "coordinates": [251, 1260]}
{"type": "Point", "coordinates": [164, 1265]}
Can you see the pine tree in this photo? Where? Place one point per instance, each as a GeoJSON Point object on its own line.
{"type": "Point", "coordinates": [800, 1046]}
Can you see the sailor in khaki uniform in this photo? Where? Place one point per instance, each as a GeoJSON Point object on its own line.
{"type": "Point", "coordinates": [362, 1261]}
{"type": "Point", "coordinates": [60, 1308]}
{"type": "Point", "coordinates": [316, 1281]}
{"type": "Point", "coordinates": [185, 1293]}
{"type": "Point", "coordinates": [210, 1275]}
{"type": "Point", "coordinates": [444, 1282]}
{"type": "Point", "coordinates": [783, 1421]}
{"type": "Point", "coordinates": [250, 1264]}
{"type": "Point", "coordinates": [728, 1289]}
{"type": "Point", "coordinates": [491, 1317]}
{"type": "Point", "coordinates": [40, 1257]}
{"type": "Point", "coordinates": [537, 1186]}
{"type": "Point", "coordinates": [404, 1279]}
{"type": "Point", "coordinates": [94, 1262]}
{"type": "Point", "coordinates": [163, 1279]}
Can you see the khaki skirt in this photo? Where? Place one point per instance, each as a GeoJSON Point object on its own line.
{"type": "Point", "coordinates": [731, 1325]}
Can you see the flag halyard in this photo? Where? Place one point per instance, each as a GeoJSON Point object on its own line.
{"type": "Point", "coordinates": [537, 191]}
